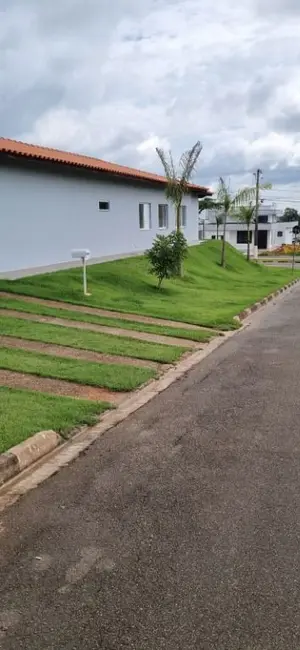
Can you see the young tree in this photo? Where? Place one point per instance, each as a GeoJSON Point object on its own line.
{"type": "Point", "coordinates": [205, 204]}
{"type": "Point", "coordinates": [178, 177]}
{"type": "Point", "coordinates": [166, 255]}
{"type": "Point", "coordinates": [246, 215]}
{"type": "Point", "coordinates": [226, 203]}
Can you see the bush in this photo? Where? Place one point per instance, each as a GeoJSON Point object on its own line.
{"type": "Point", "coordinates": [166, 255]}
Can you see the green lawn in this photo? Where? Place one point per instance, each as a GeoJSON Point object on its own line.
{"type": "Point", "coordinates": [95, 319]}
{"type": "Point", "coordinates": [111, 376]}
{"type": "Point", "coordinates": [86, 340]}
{"type": "Point", "coordinates": [23, 413]}
{"type": "Point", "coordinates": [207, 295]}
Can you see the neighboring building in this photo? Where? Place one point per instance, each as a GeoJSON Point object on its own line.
{"type": "Point", "coordinates": [271, 232]}
{"type": "Point", "coordinates": [53, 202]}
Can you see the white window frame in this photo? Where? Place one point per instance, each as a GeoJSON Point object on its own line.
{"type": "Point", "coordinates": [183, 216]}
{"type": "Point", "coordinates": [144, 219]}
{"type": "Point", "coordinates": [165, 216]}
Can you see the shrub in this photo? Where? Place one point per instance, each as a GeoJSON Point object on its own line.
{"type": "Point", "coordinates": [166, 255]}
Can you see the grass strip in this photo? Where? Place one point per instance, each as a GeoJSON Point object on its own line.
{"type": "Point", "coordinates": [23, 413]}
{"type": "Point", "coordinates": [95, 319]}
{"type": "Point", "coordinates": [85, 340]}
{"type": "Point", "coordinates": [114, 377]}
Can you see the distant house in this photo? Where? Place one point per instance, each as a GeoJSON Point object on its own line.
{"type": "Point", "coordinates": [53, 201]}
{"type": "Point", "coordinates": [271, 232]}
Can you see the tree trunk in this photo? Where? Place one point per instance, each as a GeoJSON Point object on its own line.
{"type": "Point", "coordinates": [248, 242]}
{"type": "Point", "coordinates": [180, 270]}
{"type": "Point", "coordinates": [223, 261]}
{"type": "Point", "coordinates": [217, 231]}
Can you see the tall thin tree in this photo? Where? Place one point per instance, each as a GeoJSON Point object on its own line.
{"type": "Point", "coordinates": [179, 176]}
{"type": "Point", "coordinates": [226, 203]}
{"type": "Point", "coordinates": [246, 214]}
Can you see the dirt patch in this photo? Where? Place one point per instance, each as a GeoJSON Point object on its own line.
{"type": "Point", "coordinates": [109, 314]}
{"type": "Point", "coordinates": [59, 387]}
{"type": "Point", "coordinates": [115, 331]}
{"type": "Point", "coordinates": [73, 353]}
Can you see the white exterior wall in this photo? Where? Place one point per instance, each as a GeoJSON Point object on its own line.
{"type": "Point", "coordinates": [273, 240]}
{"type": "Point", "coordinates": [46, 215]}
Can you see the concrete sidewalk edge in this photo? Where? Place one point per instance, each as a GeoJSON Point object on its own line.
{"type": "Point", "coordinates": [18, 458]}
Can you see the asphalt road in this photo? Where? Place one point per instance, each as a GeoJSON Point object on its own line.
{"type": "Point", "coordinates": [180, 529]}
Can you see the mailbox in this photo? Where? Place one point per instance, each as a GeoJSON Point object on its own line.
{"type": "Point", "coordinates": [82, 254]}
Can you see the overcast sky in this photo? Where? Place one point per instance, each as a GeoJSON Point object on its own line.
{"type": "Point", "coordinates": [115, 78]}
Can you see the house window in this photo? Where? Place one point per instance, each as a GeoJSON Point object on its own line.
{"type": "Point", "coordinates": [263, 218]}
{"type": "Point", "coordinates": [183, 216]}
{"type": "Point", "coordinates": [213, 236]}
{"type": "Point", "coordinates": [242, 237]}
{"type": "Point", "coordinates": [103, 205]}
{"type": "Point", "coordinates": [145, 216]}
{"type": "Point", "coordinates": [163, 216]}
{"type": "Point", "coordinates": [280, 233]}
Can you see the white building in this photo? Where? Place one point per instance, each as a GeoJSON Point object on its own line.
{"type": "Point", "coordinates": [271, 232]}
{"type": "Point", "coordinates": [53, 202]}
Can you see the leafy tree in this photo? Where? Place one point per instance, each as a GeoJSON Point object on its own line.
{"type": "Point", "coordinates": [166, 255]}
{"type": "Point", "coordinates": [246, 214]}
{"type": "Point", "coordinates": [227, 204]}
{"type": "Point", "coordinates": [290, 214]}
{"type": "Point", "coordinates": [178, 178]}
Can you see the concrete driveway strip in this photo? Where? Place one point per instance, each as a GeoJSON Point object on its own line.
{"type": "Point", "coordinates": [179, 529]}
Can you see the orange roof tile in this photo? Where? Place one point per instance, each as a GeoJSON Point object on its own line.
{"type": "Point", "coordinates": [32, 151]}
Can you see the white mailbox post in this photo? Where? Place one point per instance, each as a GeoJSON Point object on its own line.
{"type": "Point", "coordinates": [82, 254]}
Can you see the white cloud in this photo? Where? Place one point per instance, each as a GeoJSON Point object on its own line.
{"type": "Point", "coordinates": [117, 79]}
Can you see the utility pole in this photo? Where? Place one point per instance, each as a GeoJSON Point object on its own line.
{"type": "Point", "coordinates": [257, 175]}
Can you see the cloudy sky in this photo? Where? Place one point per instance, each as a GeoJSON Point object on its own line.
{"type": "Point", "coordinates": [115, 78]}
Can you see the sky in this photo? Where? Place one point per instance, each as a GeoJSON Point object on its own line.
{"type": "Point", "coordinates": [118, 78]}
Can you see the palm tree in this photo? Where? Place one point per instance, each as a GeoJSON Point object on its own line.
{"type": "Point", "coordinates": [246, 214]}
{"type": "Point", "coordinates": [205, 204]}
{"type": "Point", "coordinates": [227, 203]}
{"type": "Point", "coordinates": [178, 177]}
{"type": "Point", "coordinates": [219, 221]}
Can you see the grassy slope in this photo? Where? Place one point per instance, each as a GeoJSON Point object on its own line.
{"type": "Point", "coordinates": [45, 310]}
{"type": "Point", "coordinates": [114, 377]}
{"type": "Point", "coordinates": [23, 413]}
{"type": "Point", "coordinates": [207, 295]}
{"type": "Point", "coordinates": [86, 340]}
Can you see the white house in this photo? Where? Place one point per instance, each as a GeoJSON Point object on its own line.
{"type": "Point", "coordinates": [271, 232]}
{"type": "Point", "coordinates": [53, 202]}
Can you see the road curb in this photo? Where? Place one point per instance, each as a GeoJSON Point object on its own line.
{"type": "Point", "coordinates": [61, 454]}
{"type": "Point", "coordinates": [257, 305]}
{"type": "Point", "coordinates": [18, 458]}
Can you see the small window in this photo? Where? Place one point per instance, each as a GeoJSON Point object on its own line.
{"type": "Point", "coordinates": [103, 205]}
{"type": "Point", "coordinates": [242, 237]}
{"type": "Point", "coordinates": [145, 216]}
{"type": "Point", "coordinates": [213, 236]}
{"type": "Point", "coordinates": [163, 216]}
{"type": "Point", "coordinates": [183, 216]}
{"type": "Point", "coordinates": [280, 233]}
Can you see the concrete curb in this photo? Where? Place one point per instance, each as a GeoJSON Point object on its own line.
{"type": "Point", "coordinates": [257, 305]}
{"type": "Point", "coordinates": [26, 453]}
{"type": "Point", "coordinates": [61, 455]}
